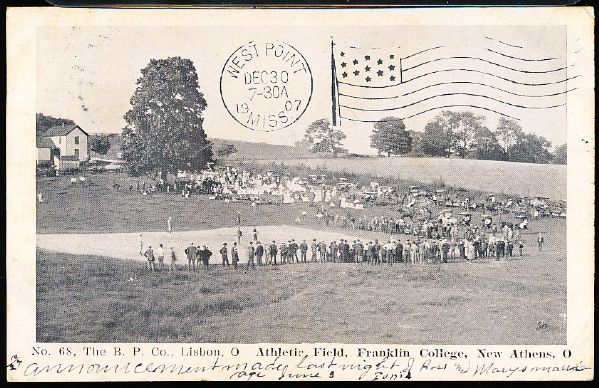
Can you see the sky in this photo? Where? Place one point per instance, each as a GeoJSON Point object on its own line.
{"type": "Point", "coordinates": [88, 74]}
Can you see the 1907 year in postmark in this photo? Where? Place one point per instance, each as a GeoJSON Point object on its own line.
{"type": "Point", "coordinates": [266, 85]}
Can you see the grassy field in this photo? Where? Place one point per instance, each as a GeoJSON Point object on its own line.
{"type": "Point", "coordinates": [89, 295]}
{"type": "Point", "coordinates": [99, 299]}
{"type": "Point", "coordinates": [482, 175]}
{"type": "Point", "coordinates": [95, 206]}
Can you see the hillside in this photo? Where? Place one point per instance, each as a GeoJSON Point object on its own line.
{"type": "Point", "coordinates": [245, 150]}
{"type": "Point", "coordinates": [253, 151]}
{"type": "Point", "coordinates": [526, 179]}
{"type": "Point", "coordinates": [482, 175]}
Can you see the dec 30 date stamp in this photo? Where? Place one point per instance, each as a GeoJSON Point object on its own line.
{"type": "Point", "coordinates": [266, 85]}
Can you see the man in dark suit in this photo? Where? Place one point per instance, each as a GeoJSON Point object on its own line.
{"type": "Point", "coordinates": [371, 253]}
{"type": "Point", "coordinates": [292, 248]}
{"type": "Point", "coordinates": [398, 251]}
{"type": "Point", "coordinates": [333, 250]}
{"type": "Point", "coordinates": [205, 256]}
{"type": "Point", "coordinates": [273, 250]}
{"type": "Point", "coordinates": [303, 250]}
{"type": "Point", "coordinates": [224, 254]}
{"type": "Point", "coordinates": [346, 255]}
{"type": "Point", "coordinates": [234, 255]}
{"type": "Point", "coordinates": [444, 250]}
{"type": "Point", "coordinates": [149, 254]}
{"type": "Point", "coordinates": [377, 252]}
{"type": "Point", "coordinates": [191, 252]}
{"type": "Point", "coordinates": [322, 251]}
{"type": "Point", "coordinates": [259, 253]}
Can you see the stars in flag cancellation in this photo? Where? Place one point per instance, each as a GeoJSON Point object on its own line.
{"type": "Point", "coordinates": [373, 67]}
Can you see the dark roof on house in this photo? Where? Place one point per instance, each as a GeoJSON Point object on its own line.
{"type": "Point", "coordinates": [62, 130]}
{"type": "Point", "coordinates": [43, 142]}
{"type": "Point", "coordinates": [69, 158]}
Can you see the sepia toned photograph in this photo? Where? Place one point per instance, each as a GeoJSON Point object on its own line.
{"type": "Point", "coordinates": [369, 184]}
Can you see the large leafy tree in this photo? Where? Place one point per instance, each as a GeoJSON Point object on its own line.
{"type": "Point", "coordinates": [485, 145]}
{"type": "Point", "coordinates": [451, 131]}
{"type": "Point", "coordinates": [437, 136]}
{"type": "Point", "coordinates": [560, 156]}
{"type": "Point", "coordinates": [324, 138]}
{"type": "Point", "coordinates": [99, 143]}
{"type": "Point", "coordinates": [508, 133]}
{"type": "Point", "coordinates": [390, 136]}
{"type": "Point", "coordinates": [531, 149]}
{"type": "Point", "coordinates": [465, 125]}
{"type": "Point", "coordinates": [417, 143]}
{"type": "Point", "coordinates": [164, 125]}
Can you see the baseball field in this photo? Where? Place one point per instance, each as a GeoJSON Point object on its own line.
{"type": "Point", "coordinates": [93, 286]}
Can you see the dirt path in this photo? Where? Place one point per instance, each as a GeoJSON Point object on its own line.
{"type": "Point", "coordinates": [126, 245]}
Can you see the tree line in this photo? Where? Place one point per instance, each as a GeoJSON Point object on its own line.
{"type": "Point", "coordinates": [449, 134]}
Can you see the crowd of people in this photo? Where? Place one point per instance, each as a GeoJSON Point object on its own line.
{"type": "Point", "coordinates": [411, 250]}
{"type": "Point", "coordinates": [417, 232]}
{"type": "Point", "coordinates": [270, 187]}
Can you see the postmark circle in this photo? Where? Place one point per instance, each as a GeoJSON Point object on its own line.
{"type": "Point", "coordinates": [266, 85]}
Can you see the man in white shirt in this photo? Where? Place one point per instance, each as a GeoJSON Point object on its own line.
{"type": "Point", "coordinates": [141, 244]}
{"type": "Point", "coordinates": [160, 254]}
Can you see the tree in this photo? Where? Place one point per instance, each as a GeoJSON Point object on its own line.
{"type": "Point", "coordinates": [164, 125]}
{"type": "Point", "coordinates": [508, 133]}
{"type": "Point", "coordinates": [225, 150]}
{"type": "Point", "coordinates": [464, 126]}
{"type": "Point", "coordinates": [99, 143]}
{"type": "Point", "coordinates": [324, 138]}
{"type": "Point", "coordinates": [437, 136]}
{"type": "Point", "coordinates": [484, 145]}
{"type": "Point", "coordinates": [43, 122]}
{"type": "Point", "coordinates": [390, 136]}
{"type": "Point", "coordinates": [531, 149]}
{"type": "Point", "coordinates": [451, 132]}
{"type": "Point", "coordinates": [560, 156]}
{"type": "Point", "coordinates": [417, 143]}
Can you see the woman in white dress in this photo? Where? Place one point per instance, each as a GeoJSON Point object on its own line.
{"type": "Point", "coordinates": [470, 254]}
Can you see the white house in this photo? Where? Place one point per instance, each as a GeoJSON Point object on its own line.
{"type": "Point", "coordinates": [66, 144]}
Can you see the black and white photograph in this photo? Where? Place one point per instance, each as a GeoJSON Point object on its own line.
{"type": "Point", "coordinates": [383, 183]}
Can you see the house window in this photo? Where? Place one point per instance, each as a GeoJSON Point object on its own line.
{"type": "Point", "coordinates": [77, 152]}
{"type": "Point", "coordinates": [76, 139]}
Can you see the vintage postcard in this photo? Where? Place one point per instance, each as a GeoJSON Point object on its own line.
{"type": "Point", "coordinates": [300, 194]}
